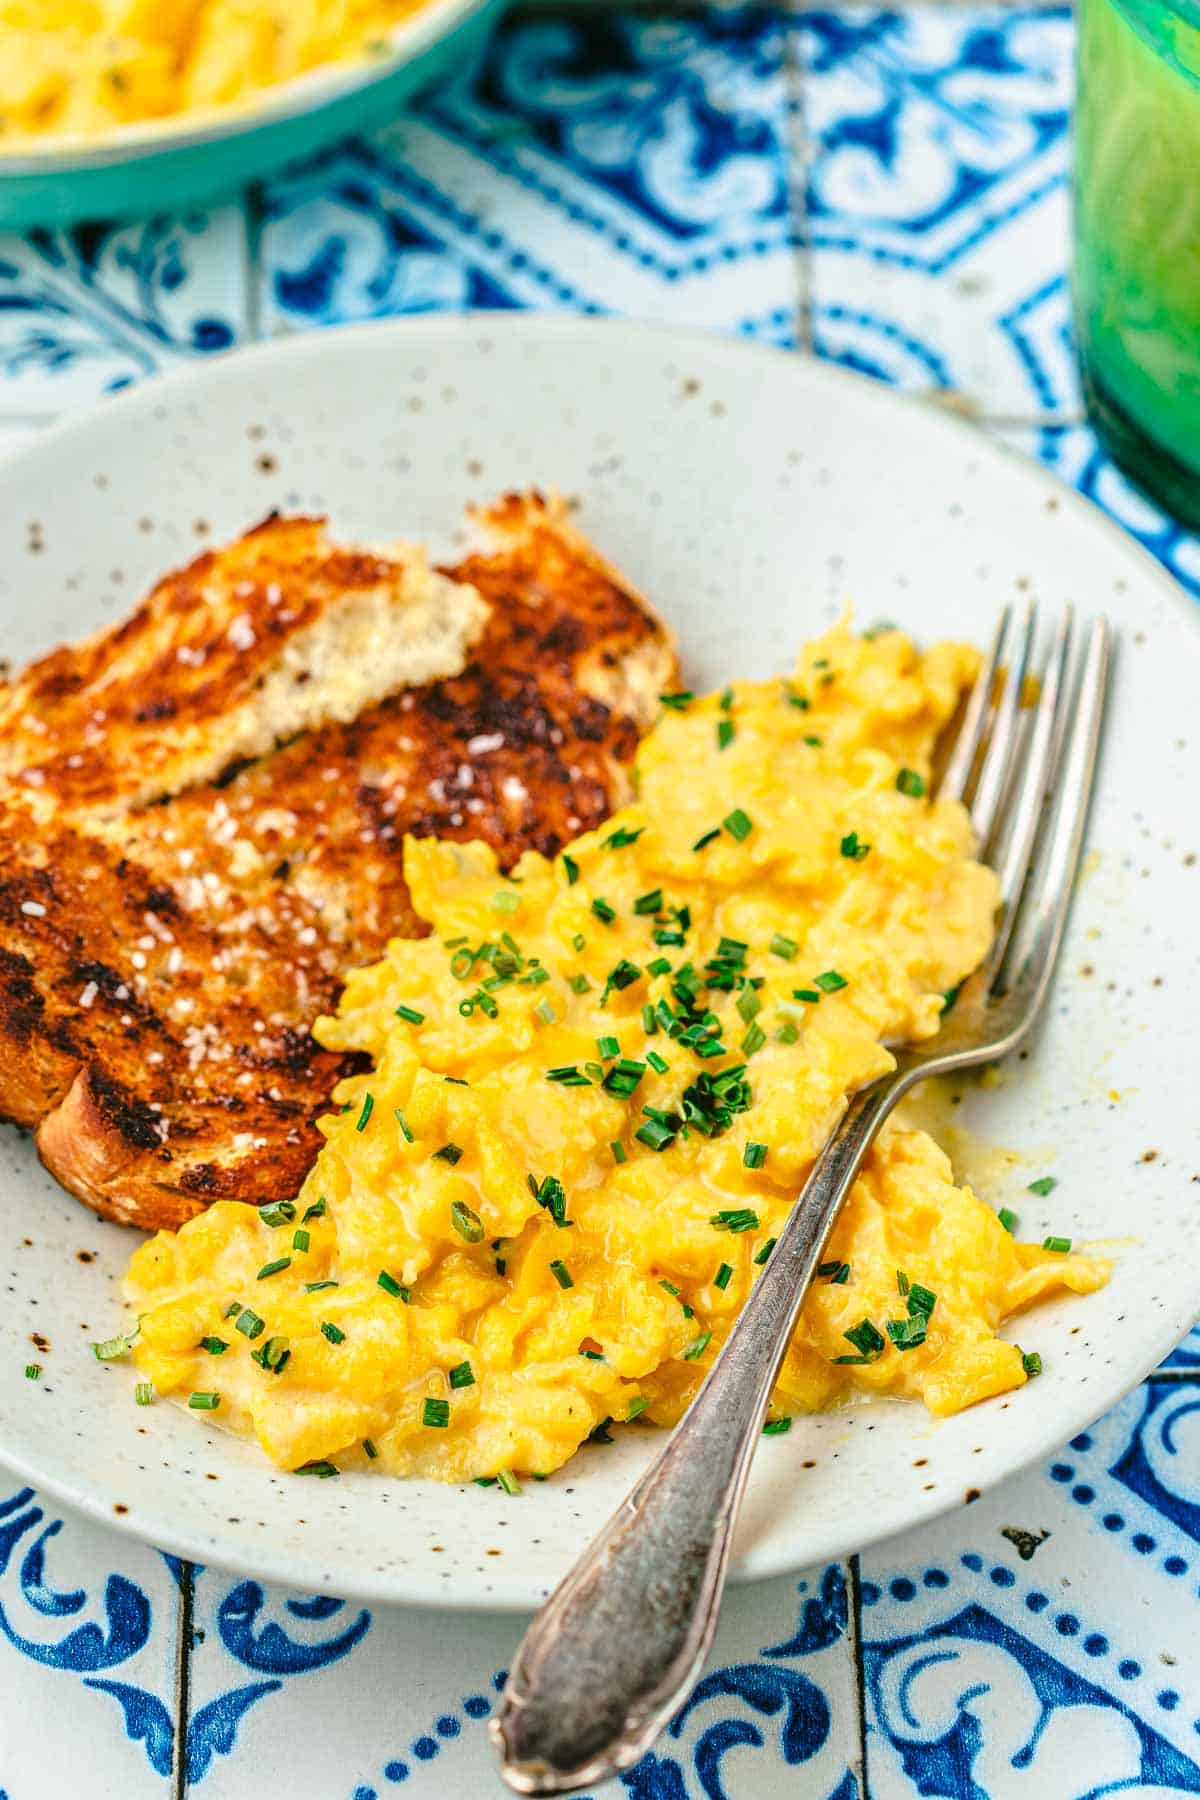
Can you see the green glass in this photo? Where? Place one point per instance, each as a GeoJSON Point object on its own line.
{"type": "Point", "coordinates": [1137, 239]}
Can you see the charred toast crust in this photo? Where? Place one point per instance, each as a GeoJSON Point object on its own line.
{"type": "Point", "coordinates": [155, 1003]}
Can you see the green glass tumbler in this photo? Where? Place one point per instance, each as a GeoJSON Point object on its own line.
{"type": "Point", "coordinates": [1137, 239]}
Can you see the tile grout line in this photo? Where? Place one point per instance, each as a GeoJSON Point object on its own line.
{"type": "Point", "coordinates": [798, 155]}
{"type": "Point", "coordinates": [854, 1622]}
{"type": "Point", "coordinates": [180, 1785]}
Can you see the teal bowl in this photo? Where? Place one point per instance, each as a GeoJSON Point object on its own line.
{"type": "Point", "coordinates": [169, 165]}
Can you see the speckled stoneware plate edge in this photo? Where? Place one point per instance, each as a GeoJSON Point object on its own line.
{"type": "Point", "coordinates": [750, 493]}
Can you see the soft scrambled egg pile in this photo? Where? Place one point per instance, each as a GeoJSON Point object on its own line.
{"type": "Point", "coordinates": [597, 1088]}
{"type": "Point", "coordinates": [79, 68]}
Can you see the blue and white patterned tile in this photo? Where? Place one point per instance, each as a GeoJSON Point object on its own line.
{"type": "Point", "coordinates": [1076, 456]}
{"type": "Point", "coordinates": [85, 312]}
{"type": "Point", "coordinates": [936, 199]}
{"type": "Point", "coordinates": [1042, 1641]}
{"type": "Point", "coordinates": [343, 1702]}
{"type": "Point", "coordinates": [87, 1657]}
{"type": "Point", "coordinates": [588, 159]}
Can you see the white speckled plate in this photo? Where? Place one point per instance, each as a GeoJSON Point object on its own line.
{"type": "Point", "coordinates": [751, 494]}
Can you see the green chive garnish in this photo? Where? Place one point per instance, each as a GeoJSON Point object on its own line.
{"type": "Point", "coordinates": [1061, 1245]}
{"type": "Point", "coordinates": [505, 901]}
{"type": "Point", "coordinates": [249, 1324]}
{"type": "Point", "coordinates": [738, 824]}
{"type": "Point", "coordinates": [777, 1427]}
{"type": "Point", "coordinates": [405, 1128]}
{"type": "Point", "coordinates": [334, 1333]}
{"type": "Point", "coordinates": [677, 702]}
{"type": "Point", "coordinates": [910, 783]}
{"type": "Point", "coordinates": [784, 947]}
{"type": "Point", "coordinates": [608, 1047]}
{"type": "Point", "coordinates": [462, 1376]}
{"type": "Point", "coordinates": [274, 1268]}
{"type": "Point", "coordinates": [754, 1155]}
{"type": "Point", "coordinates": [697, 1347]}
{"type": "Point", "coordinates": [569, 1075]}
{"type": "Point", "coordinates": [604, 911]}
{"type": "Point", "coordinates": [723, 1276]}
{"type": "Point", "coordinates": [300, 1239]}
{"type": "Point", "coordinates": [623, 836]}
{"type": "Point", "coordinates": [508, 1481]}
{"type": "Point", "coordinates": [707, 838]}
{"type": "Point", "coordinates": [836, 1273]}
{"type": "Point", "coordinates": [830, 981]}
{"type": "Point", "coordinates": [467, 1223]}
{"type": "Point", "coordinates": [143, 1393]}
{"type": "Point", "coordinates": [762, 1255]}
{"type": "Point", "coordinates": [315, 1287]}
{"type": "Point", "coordinates": [854, 848]}
{"type": "Point", "coordinates": [619, 1154]}
{"type": "Point", "coordinates": [321, 1469]}
{"type": "Point", "coordinates": [571, 868]}
{"type": "Point", "coordinates": [753, 1039]}
{"type": "Point", "coordinates": [367, 1108]}
{"type": "Point", "coordinates": [868, 1342]}
{"type": "Point", "coordinates": [735, 1218]}
{"type": "Point", "coordinates": [370, 1449]}
{"type": "Point", "coordinates": [1045, 1184]}
{"type": "Point", "coordinates": [114, 1348]}
{"type": "Point", "coordinates": [391, 1286]}
{"type": "Point", "coordinates": [725, 733]}
{"type": "Point", "coordinates": [449, 1153]}
{"type": "Point", "coordinates": [410, 1015]}
{"type": "Point", "coordinates": [658, 1063]}
{"type": "Point", "coordinates": [1031, 1362]}
{"type": "Point", "coordinates": [649, 903]}
{"type": "Point", "coordinates": [214, 1345]}
{"type": "Point", "coordinates": [317, 1210]}
{"type": "Point", "coordinates": [1007, 1218]}
{"type": "Point", "coordinates": [200, 1402]}
{"type": "Point", "coordinates": [436, 1413]}
{"type": "Point", "coordinates": [637, 1407]}
{"type": "Point", "coordinates": [279, 1212]}
{"type": "Point", "coordinates": [33, 1371]}
{"type": "Point", "coordinates": [809, 995]}
{"type": "Point", "coordinates": [561, 1273]}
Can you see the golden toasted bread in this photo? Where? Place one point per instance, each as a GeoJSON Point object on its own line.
{"type": "Point", "coordinates": [161, 959]}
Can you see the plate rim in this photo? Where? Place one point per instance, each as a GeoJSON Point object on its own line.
{"type": "Point", "coordinates": [410, 1587]}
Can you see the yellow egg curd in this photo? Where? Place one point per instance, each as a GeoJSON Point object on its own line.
{"type": "Point", "coordinates": [81, 68]}
{"type": "Point", "coordinates": [596, 1090]}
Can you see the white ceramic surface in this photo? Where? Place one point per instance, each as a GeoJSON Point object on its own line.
{"type": "Point", "coordinates": [751, 494]}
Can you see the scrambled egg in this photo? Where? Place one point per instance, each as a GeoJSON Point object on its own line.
{"type": "Point", "coordinates": [80, 68]}
{"type": "Point", "coordinates": [596, 1089]}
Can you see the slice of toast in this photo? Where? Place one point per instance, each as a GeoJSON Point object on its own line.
{"type": "Point", "coordinates": [168, 930]}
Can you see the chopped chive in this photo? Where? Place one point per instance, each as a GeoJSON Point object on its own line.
{"type": "Point", "coordinates": [234, 1307]}
{"type": "Point", "coordinates": [436, 1413]}
{"type": "Point", "coordinates": [467, 1223]}
{"type": "Point", "coordinates": [405, 1127]}
{"type": "Point", "coordinates": [391, 1286]}
{"type": "Point", "coordinates": [249, 1324]}
{"type": "Point", "coordinates": [853, 847]}
{"type": "Point", "coordinates": [449, 1153]}
{"type": "Point", "coordinates": [762, 1255]}
{"type": "Point", "coordinates": [753, 1039]}
{"type": "Point", "coordinates": [1060, 1245]}
{"type": "Point", "coordinates": [1044, 1185]}
{"type": "Point", "coordinates": [204, 1402]}
{"type": "Point", "coordinates": [637, 1407]}
{"type": "Point", "coordinates": [368, 1107]}
{"type": "Point", "coordinates": [1007, 1218]}
{"type": "Point", "coordinates": [907, 1334]}
{"type": "Point", "coordinates": [274, 1268]}
{"type": "Point", "coordinates": [545, 1012]}
{"type": "Point", "coordinates": [654, 1135]}
{"type": "Point", "coordinates": [921, 1299]}
{"type": "Point", "coordinates": [675, 1294]}
{"type": "Point", "coordinates": [723, 1276]}
{"type": "Point", "coordinates": [279, 1212]}
{"type": "Point", "coordinates": [33, 1371]}
{"type": "Point", "coordinates": [143, 1393]}
{"type": "Point", "coordinates": [619, 1154]}
{"type": "Point", "coordinates": [754, 1155]}
{"type": "Point", "coordinates": [902, 1282]}
{"type": "Point", "coordinates": [461, 1376]}
{"type": "Point", "coordinates": [830, 981]}
{"type": "Point", "coordinates": [370, 1449]}
{"type": "Point", "coordinates": [660, 966]}
{"type": "Point", "coordinates": [836, 1273]}
{"type": "Point", "coordinates": [623, 1078]}
{"type": "Point", "coordinates": [603, 910]}
{"type": "Point", "coordinates": [315, 1287]}
{"type": "Point", "coordinates": [669, 939]}
{"type": "Point", "coordinates": [561, 1273]}
{"type": "Point", "coordinates": [784, 947]}
{"type": "Point", "coordinates": [868, 1341]}
{"type": "Point", "coordinates": [410, 1015]}
{"type": "Point", "coordinates": [333, 1332]}
{"type": "Point", "coordinates": [571, 869]}
{"type": "Point", "coordinates": [319, 1467]}
{"type": "Point", "coordinates": [569, 1075]}
{"type": "Point", "coordinates": [461, 964]}
{"type": "Point", "coordinates": [214, 1345]}
{"type": "Point", "coordinates": [707, 838]}
{"type": "Point", "coordinates": [649, 903]}
{"type": "Point", "coordinates": [623, 836]}
{"type": "Point", "coordinates": [594, 1070]}
{"type": "Point", "coordinates": [735, 1218]}
{"type": "Point", "coordinates": [725, 733]}
{"type": "Point", "coordinates": [658, 1063]}
{"type": "Point", "coordinates": [649, 1020]}
{"type": "Point", "coordinates": [1031, 1362]}
{"type": "Point", "coordinates": [578, 984]}
{"type": "Point", "coordinates": [677, 702]}
{"type": "Point", "coordinates": [608, 1047]}
{"type": "Point", "coordinates": [787, 1033]}
{"type": "Point", "coordinates": [697, 1347]}
{"type": "Point", "coordinates": [300, 1239]}
{"type": "Point", "coordinates": [508, 1481]}
{"type": "Point", "coordinates": [589, 1348]}
{"type": "Point", "coordinates": [809, 995]}
{"type": "Point", "coordinates": [816, 742]}
{"type": "Point", "coordinates": [114, 1348]}
{"type": "Point", "coordinates": [726, 699]}
{"type": "Point", "coordinates": [578, 942]}
{"type": "Point", "coordinates": [910, 783]}
{"type": "Point", "coordinates": [274, 1355]}
{"type": "Point", "coordinates": [505, 901]}
{"type": "Point", "coordinates": [748, 1004]}
{"type": "Point", "coordinates": [777, 1427]}
{"type": "Point", "coordinates": [317, 1210]}
{"type": "Point", "coordinates": [550, 1194]}
{"type": "Point", "coordinates": [738, 824]}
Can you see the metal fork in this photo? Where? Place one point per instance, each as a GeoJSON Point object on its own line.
{"type": "Point", "coordinates": [617, 1647]}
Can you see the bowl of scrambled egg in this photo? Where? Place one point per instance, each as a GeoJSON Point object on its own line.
{"type": "Point", "coordinates": [113, 107]}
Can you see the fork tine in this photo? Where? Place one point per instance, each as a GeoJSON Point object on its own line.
{"type": "Point", "coordinates": [958, 770]}
{"type": "Point", "coordinates": [1000, 757]}
{"type": "Point", "coordinates": [1045, 744]}
{"type": "Point", "coordinates": [1041, 936]}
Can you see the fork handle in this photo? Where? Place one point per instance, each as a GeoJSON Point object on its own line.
{"type": "Point", "coordinates": [619, 1643]}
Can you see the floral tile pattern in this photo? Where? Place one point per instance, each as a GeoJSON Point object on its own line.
{"type": "Point", "coordinates": [889, 187]}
